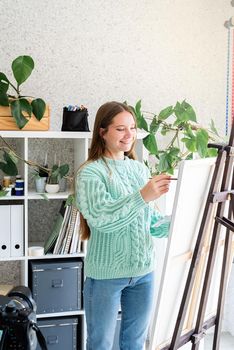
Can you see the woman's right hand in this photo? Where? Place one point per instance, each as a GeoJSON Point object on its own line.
{"type": "Point", "coordinates": [155, 187]}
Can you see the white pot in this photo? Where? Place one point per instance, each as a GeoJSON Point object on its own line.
{"type": "Point", "coordinates": [52, 188]}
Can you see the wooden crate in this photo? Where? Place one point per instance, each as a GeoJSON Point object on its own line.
{"type": "Point", "coordinates": [7, 122]}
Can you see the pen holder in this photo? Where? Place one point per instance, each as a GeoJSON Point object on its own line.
{"type": "Point", "coordinates": [75, 120]}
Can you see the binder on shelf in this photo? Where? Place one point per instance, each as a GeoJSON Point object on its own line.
{"type": "Point", "coordinates": [12, 229]}
{"type": "Point", "coordinates": [64, 237]}
{"type": "Point", "coordinates": [51, 240]}
{"type": "Point", "coordinates": [5, 219]}
{"type": "Point", "coordinates": [72, 222]}
{"type": "Point", "coordinates": [62, 231]}
{"type": "Point", "coordinates": [17, 230]}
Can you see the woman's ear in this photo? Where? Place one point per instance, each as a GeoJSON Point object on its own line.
{"type": "Point", "coordinates": [101, 132]}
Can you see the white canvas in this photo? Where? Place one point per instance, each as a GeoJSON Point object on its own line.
{"type": "Point", "coordinates": [193, 184]}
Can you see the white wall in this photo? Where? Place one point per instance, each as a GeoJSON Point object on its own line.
{"type": "Point", "coordinates": [95, 50]}
{"type": "Point", "coordinates": [89, 52]}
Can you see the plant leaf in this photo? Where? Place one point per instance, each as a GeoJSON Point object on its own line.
{"type": "Point", "coordinates": [8, 167]}
{"type": "Point", "coordinates": [22, 68]}
{"type": "Point", "coordinates": [164, 130]}
{"type": "Point", "coordinates": [150, 144]}
{"type": "Point", "coordinates": [165, 163]}
{"type": "Point", "coordinates": [174, 152]}
{"type": "Point", "coordinates": [168, 160]}
{"type": "Point", "coordinates": [165, 113]}
{"type": "Point", "coordinates": [25, 106]}
{"type": "Point", "coordinates": [63, 170]}
{"type": "Point", "coordinates": [13, 157]}
{"type": "Point", "coordinates": [16, 112]}
{"type": "Point", "coordinates": [154, 126]}
{"type": "Point", "coordinates": [3, 78]}
{"type": "Point", "coordinates": [188, 109]}
{"type": "Point", "coordinates": [38, 108]}
{"type": "Point", "coordinates": [188, 131]}
{"type": "Point", "coordinates": [184, 112]}
{"type": "Point", "coordinates": [212, 152]}
{"type": "Point", "coordinates": [141, 122]}
{"type": "Point", "coordinates": [44, 196]}
{"type": "Point", "coordinates": [3, 94]}
{"type": "Point", "coordinates": [213, 128]}
{"type": "Point", "coordinates": [70, 200]}
{"type": "Point", "coordinates": [202, 138]}
{"type": "Point", "coordinates": [3, 193]}
{"type": "Point", "coordinates": [190, 143]}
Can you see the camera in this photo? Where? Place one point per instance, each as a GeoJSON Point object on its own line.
{"type": "Point", "coordinates": [18, 327]}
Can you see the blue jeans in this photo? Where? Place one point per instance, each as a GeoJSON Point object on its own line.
{"type": "Point", "coordinates": [102, 299]}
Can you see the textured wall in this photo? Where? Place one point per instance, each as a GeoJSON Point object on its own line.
{"type": "Point", "coordinates": [92, 51]}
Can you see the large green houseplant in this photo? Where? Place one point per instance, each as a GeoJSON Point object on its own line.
{"type": "Point", "coordinates": [10, 93]}
{"type": "Point", "coordinates": [178, 125]}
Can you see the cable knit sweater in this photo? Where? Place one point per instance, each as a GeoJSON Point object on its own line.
{"type": "Point", "coordinates": [120, 221]}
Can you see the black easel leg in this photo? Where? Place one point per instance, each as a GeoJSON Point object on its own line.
{"type": "Point", "coordinates": [227, 178]}
{"type": "Point", "coordinates": [223, 286]}
{"type": "Point", "coordinates": [227, 256]}
{"type": "Point", "coordinates": [208, 212]}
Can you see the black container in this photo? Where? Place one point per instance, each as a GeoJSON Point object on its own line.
{"type": "Point", "coordinates": [60, 333]}
{"type": "Point", "coordinates": [56, 285]}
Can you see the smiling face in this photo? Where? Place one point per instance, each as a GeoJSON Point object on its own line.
{"type": "Point", "coordinates": [119, 136]}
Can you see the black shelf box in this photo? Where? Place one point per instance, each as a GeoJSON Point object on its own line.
{"type": "Point", "coordinates": [59, 333]}
{"type": "Point", "coordinates": [56, 285]}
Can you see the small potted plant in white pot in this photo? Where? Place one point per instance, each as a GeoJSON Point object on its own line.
{"type": "Point", "coordinates": [55, 174]}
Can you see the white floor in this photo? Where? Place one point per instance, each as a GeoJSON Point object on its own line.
{"type": "Point", "coordinates": [226, 342]}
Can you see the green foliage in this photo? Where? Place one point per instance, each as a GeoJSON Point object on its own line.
{"type": "Point", "coordinates": [53, 175]}
{"type": "Point", "coordinates": [3, 193]}
{"type": "Point", "coordinates": [71, 200]}
{"type": "Point", "coordinates": [22, 68]}
{"type": "Point", "coordinates": [184, 135]}
{"type": "Point", "coordinates": [57, 173]}
{"type": "Point", "coordinates": [8, 166]}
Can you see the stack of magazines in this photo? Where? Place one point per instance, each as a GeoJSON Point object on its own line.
{"type": "Point", "coordinates": [64, 237]}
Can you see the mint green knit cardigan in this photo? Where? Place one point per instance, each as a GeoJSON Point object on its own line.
{"type": "Point", "coordinates": [120, 221]}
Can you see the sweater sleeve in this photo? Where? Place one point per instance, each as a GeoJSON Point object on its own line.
{"type": "Point", "coordinates": [102, 211]}
{"type": "Point", "coordinates": [160, 225]}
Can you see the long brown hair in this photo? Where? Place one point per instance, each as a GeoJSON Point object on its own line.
{"type": "Point", "coordinates": [104, 118]}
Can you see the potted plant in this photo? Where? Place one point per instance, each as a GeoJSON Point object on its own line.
{"type": "Point", "coordinates": [22, 108]}
{"type": "Point", "coordinates": [9, 168]}
{"type": "Point", "coordinates": [183, 134]}
{"type": "Point", "coordinates": [51, 176]}
{"type": "Point", "coordinates": [55, 175]}
{"type": "Point", "coordinates": [40, 177]}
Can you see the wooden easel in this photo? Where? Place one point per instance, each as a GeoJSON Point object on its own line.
{"type": "Point", "coordinates": [220, 193]}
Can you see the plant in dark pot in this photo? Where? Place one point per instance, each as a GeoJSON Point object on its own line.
{"type": "Point", "coordinates": [22, 107]}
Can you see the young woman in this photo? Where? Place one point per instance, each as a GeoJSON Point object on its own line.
{"type": "Point", "coordinates": [114, 194]}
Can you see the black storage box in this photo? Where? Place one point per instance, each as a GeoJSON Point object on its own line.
{"type": "Point", "coordinates": [56, 285]}
{"type": "Point", "coordinates": [59, 333]}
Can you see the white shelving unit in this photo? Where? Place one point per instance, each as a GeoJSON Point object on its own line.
{"type": "Point", "coordinates": [30, 146]}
